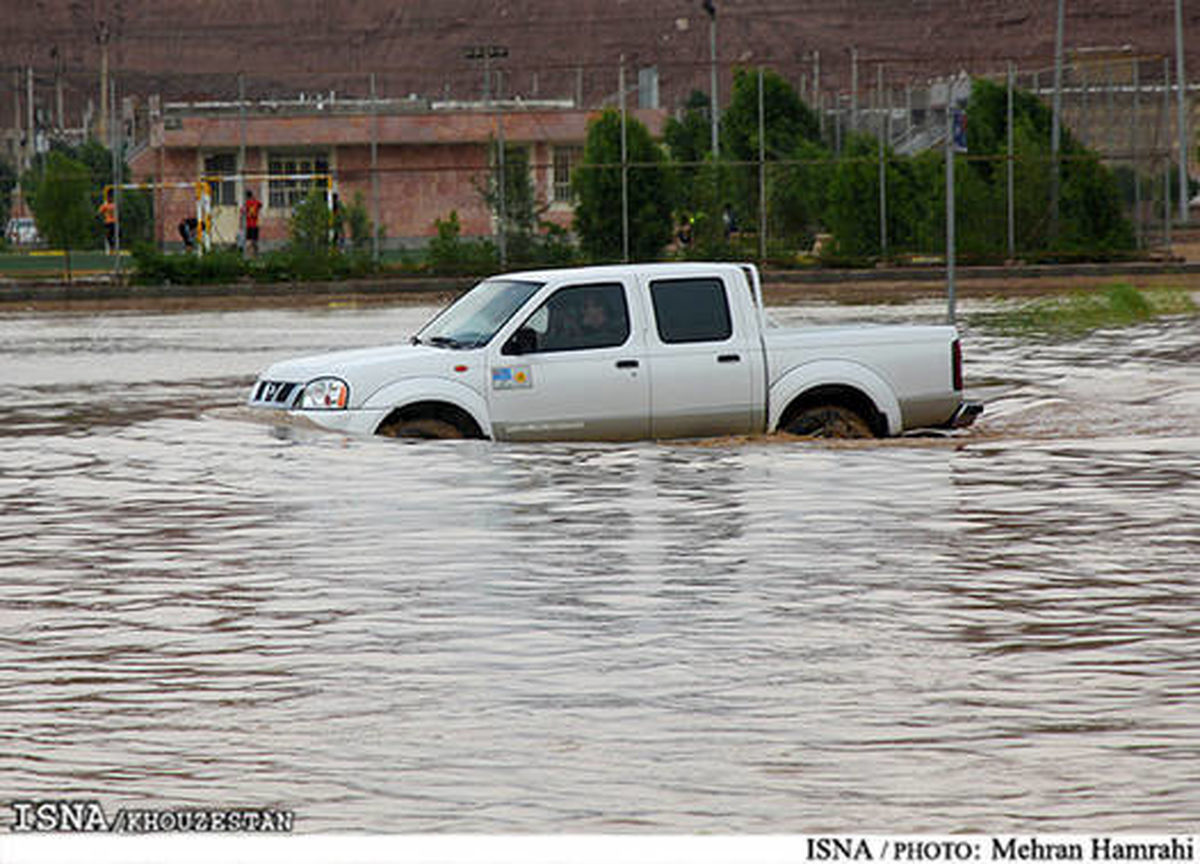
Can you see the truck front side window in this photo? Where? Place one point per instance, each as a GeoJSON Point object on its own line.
{"type": "Point", "coordinates": [573, 319]}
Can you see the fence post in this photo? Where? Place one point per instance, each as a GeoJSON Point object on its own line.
{"type": "Point", "coordinates": [1181, 79]}
{"type": "Point", "coordinates": [502, 233]}
{"type": "Point", "coordinates": [1133, 148]}
{"type": "Point", "coordinates": [1056, 121]}
{"type": "Point", "coordinates": [375, 214]}
{"type": "Point", "coordinates": [1166, 129]}
{"type": "Point", "coordinates": [624, 170]}
{"type": "Point", "coordinates": [853, 89]}
{"type": "Point", "coordinates": [882, 131]}
{"type": "Point", "coordinates": [950, 287]}
{"type": "Point", "coordinates": [1010, 174]}
{"type": "Point", "coordinates": [762, 173]}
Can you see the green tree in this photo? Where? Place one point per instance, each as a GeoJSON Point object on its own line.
{"type": "Point", "coordinates": [62, 205]}
{"type": "Point", "coordinates": [8, 181]}
{"type": "Point", "coordinates": [798, 193]}
{"type": "Point", "coordinates": [1090, 211]}
{"type": "Point", "coordinates": [787, 121]}
{"type": "Point", "coordinates": [516, 213]}
{"type": "Point", "coordinates": [310, 223]}
{"type": "Point", "coordinates": [136, 212]}
{"type": "Point", "coordinates": [359, 228]}
{"type": "Point", "coordinates": [449, 254]}
{"type": "Point", "coordinates": [597, 183]}
{"type": "Point", "coordinates": [688, 139]}
{"type": "Point", "coordinates": [790, 130]}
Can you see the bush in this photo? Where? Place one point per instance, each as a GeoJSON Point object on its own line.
{"type": "Point", "coordinates": [220, 266]}
{"type": "Point", "coordinates": [450, 255]}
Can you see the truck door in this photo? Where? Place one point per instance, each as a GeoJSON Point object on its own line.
{"type": "Point", "coordinates": [702, 360]}
{"type": "Point", "coordinates": [573, 369]}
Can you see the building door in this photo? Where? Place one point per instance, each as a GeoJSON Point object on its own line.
{"type": "Point", "coordinates": [219, 171]}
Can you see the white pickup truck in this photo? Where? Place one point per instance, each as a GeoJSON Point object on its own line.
{"type": "Point", "coordinates": [628, 352]}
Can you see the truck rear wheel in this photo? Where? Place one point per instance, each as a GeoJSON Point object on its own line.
{"type": "Point", "coordinates": [828, 421]}
{"type": "Point", "coordinates": [421, 427]}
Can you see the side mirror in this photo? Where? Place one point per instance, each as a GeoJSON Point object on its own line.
{"type": "Point", "coordinates": [524, 341]}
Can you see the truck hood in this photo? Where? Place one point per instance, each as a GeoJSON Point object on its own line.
{"type": "Point", "coordinates": [366, 370]}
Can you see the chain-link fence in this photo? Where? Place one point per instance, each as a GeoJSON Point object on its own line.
{"type": "Point", "coordinates": [864, 181]}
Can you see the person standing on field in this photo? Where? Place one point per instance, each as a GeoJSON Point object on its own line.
{"type": "Point", "coordinates": [250, 211]}
{"type": "Point", "coordinates": [108, 213]}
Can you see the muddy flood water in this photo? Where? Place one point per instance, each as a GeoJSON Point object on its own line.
{"type": "Point", "coordinates": [998, 632]}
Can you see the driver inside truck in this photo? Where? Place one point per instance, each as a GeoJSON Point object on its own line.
{"type": "Point", "coordinates": [585, 320]}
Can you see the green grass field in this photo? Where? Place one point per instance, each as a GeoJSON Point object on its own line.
{"type": "Point", "coordinates": [49, 264]}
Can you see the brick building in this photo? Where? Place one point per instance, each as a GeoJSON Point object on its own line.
{"type": "Point", "coordinates": [429, 159]}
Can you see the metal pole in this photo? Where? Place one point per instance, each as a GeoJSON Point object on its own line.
{"type": "Point", "coordinates": [837, 124]}
{"type": "Point", "coordinates": [60, 119]}
{"type": "Point", "coordinates": [908, 109]}
{"type": "Point", "coordinates": [374, 172]}
{"type": "Point", "coordinates": [1166, 131]}
{"type": "Point", "coordinates": [712, 60]}
{"type": "Point", "coordinates": [31, 138]}
{"type": "Point", "coordinates": [160, 217]}
{"type": "Point", "coordinates": [102, 38]}
{"type": "Point", "coordinates": [1181, 89]}
{"type": "Point", "coordinates": [241, 166]}
{"type": "Point", "coordinates": [624, 171]}
{"type": "Point", "coordinates": [950, 216]}
{"type": "Point", "coordinates": [1110, 121]}
{"type": "Point", "coordinates": [1085, 130]}
{"type": "Point", "coordinates": [1011, 180]}
{"type": "Point", "coordinates": [853, 89]}
{"type": "Point", "coordinates": [1133, 147]}
{"type": "Point", "coordinates": [1056, 119]}
{"type": "Point", "coordinates": [502, 236]}
{"type": "Point", "coordinates": [115, 144]}
{"type": "Point", "coordinates": [817, 100]}
{"type": "Point", "coordinates": [762, 172]}
{"type": "Point", "coordinates": [17, 116]}
{"type": "Point", "coordinates": [883, 233]}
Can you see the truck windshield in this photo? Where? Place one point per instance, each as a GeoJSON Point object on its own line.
{"type": "Point", "coordinates": [473, 319]}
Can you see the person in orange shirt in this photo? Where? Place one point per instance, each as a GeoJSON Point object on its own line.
{"type": "Point", "coordinates": [108, 212]}
{"type": "Point", "coordinates": [250, 211]}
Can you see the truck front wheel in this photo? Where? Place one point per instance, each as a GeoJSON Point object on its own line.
{"type": "Point", "coordinates": [421, 427]}
{"type": "Point", "coordinates": [828, 421]}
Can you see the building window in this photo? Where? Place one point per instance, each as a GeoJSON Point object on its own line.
{"type": "Point", "coordinates": [223, 193]}
{"type": "Point", "coordinates": [565, 160]}
{"type": "Point", "coordinates": [297, 175]}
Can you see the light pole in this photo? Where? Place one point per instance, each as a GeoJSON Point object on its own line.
{"type": "Point", "coordinates": [1056, 117]}
{"type": "Point", "coordinates": [710, 7]}
{"type": "Point", "coordinates": [487, 53]}
{"type": "Point", "coordinates": [1181, 79]}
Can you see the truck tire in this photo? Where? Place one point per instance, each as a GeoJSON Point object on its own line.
{"type": "Point", "coordinates": [421, 427]}
{"type": "Point", "coordinates": [828, 421]}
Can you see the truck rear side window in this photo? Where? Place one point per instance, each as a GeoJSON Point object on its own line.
{"type": "Point", "coordinates": [691, 310]}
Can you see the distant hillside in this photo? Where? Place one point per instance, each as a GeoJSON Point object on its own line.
{"type": "Point", "coordinates": [554, 49]}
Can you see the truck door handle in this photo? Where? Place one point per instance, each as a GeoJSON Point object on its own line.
{"type": "Point", "coordinates": [627, 364]}
{"type": "Point", "coordinates": [728, 358]}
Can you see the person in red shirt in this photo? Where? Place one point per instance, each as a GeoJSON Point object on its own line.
{"type": "Point", "coordinates": [250, 211]}
{"type": "Point", "coordinates": [108, 213]}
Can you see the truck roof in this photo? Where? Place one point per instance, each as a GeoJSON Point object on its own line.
{"type": "Point", "coordinates": [675, 268]}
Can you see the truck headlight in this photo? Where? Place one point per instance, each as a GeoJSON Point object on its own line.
{"type": "Point", "coordinates": [325, 394]}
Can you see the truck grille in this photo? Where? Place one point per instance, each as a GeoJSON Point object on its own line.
{"type": "Point", "coordinates": [277, 393]}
